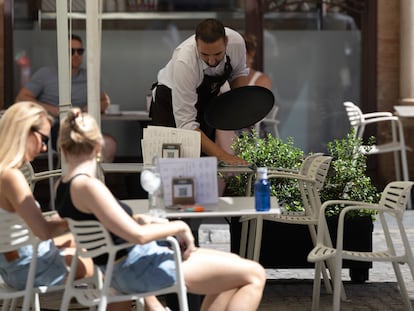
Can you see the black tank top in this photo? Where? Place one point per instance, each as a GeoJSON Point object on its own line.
{"type": "Point", "coordinates": [66, 208]}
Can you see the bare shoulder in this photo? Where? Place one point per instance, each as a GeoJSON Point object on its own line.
{"type": "Point", "coordinates": [264, 81]}
{"type": "Point", "coordinates": [83, 181]}
{"type": "Point", "coordinates": [12, 176]}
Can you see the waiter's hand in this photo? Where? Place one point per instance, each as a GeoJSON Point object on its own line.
{"type": "Point", "coordinates": [232, 159]}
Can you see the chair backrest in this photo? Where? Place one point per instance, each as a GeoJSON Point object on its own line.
{"type": "Point", "coordinates": [272, 114]}
{"type": "Point", "coordinates": [14, 234]}
{"type": "Point", "coordinates": [316, 169]}
{"type": "Point", "coordinates": [396, 195]}
{"type": "Point", "coordinates": [32, 177]}
{"type": "Point", "coordinates": [29, 174]}
{"type": "Point", "coordinates": [304, 167]}
{"type": "Point", "coordinates": [356, 117]}
{"type": "Point", "coordinates": [93, 239]}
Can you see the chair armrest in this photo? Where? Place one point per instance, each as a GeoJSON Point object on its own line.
{"type": "Point", "coordinates": [322, 225]}
{"type": "Point", "coordinates": [47, 174]}
{"type": "Point", "coordinates": [291, 176]}
{"type": "Point", "coordinates": [377, 114]}
{"type": "Point", "coordinates": [342, 214]}
{"type": "Point", "coordinates": [381, 119]}
{"type": "Point", "coordinates": [272, 121]}
{"type": "Point", "coordinates": [276, 170]}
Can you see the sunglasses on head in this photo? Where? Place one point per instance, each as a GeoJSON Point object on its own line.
{"type": "Point", "coordinates": [44, 138]}
{"type": "Point", "coordinates": [79, 51]}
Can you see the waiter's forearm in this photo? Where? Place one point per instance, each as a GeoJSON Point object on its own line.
{"type": "Point", "coordinates": [209, 147]}
{"type": "Point", "coordinates": [239, 81]}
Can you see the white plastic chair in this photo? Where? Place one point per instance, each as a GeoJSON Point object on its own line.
{"type": "Point", "coordinates": [359, 121]}
{"type": "Point", "coordinates": [14, 233]}
{"type": "Point", "coordinates": [32, 178]}
{"type": "Point", "coordinates": [270, 120]}
{"type": "Point", "coordinates": [310, 180]}
{"type": "Point", "coordinates": [392, 204]}
{"type": "Point", "coordinates": [92, 239]}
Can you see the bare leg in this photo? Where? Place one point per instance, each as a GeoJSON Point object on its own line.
{"type": "Point", "coordinates": [228, 281]}
{"type": "Point", "coordinates": [85, 265]}
{"type": "Point", "coordinates": [151, 304]}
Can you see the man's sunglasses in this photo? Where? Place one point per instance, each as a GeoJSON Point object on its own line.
{"type": "Point", "coordinates": [44, 138]}
{"type": "Point", "coordinates": [79, 51]}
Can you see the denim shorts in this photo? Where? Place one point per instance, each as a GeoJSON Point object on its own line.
{"type": "Point", "coordinates": [50, 269]}
{"type": "Point", "coordinates": [145, 268]}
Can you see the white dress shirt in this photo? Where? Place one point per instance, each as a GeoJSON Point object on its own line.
{"type": "Point", "coordinates": [185, 71]}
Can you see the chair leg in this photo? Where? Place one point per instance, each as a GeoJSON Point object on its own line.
{"type": "Point", "coordinates": [337, 283]}
{"type": "Point", "coordinates": [65, 301]}
{"type": "Point", "coordinates": [258, 238]}
{"type": "Point", "coordinates": [326, 280]}
{"type": "Point", "coordinates": [140, 304]}
{"type": "Point", "coordinates": [277, 135]}
{"type": "Point", "coordinates": [36, 302]}
{"type": "Point", "coordinates": [51, 180]}
{"type": "Point", "coordinates": [316, 287]}
{"type": "Point", "coordinates": [243, 238]}
{"type": "Point", "coordinates": [403, 288]}
{"type": "Point", "coordinates": [397, 165]}
{"type": "Point", "coordinates": [251, 238]}
{"type": "Point", "coordinates": [6, 304]}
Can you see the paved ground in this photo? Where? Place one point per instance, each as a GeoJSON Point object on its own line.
{"type": "Point", "coordinates": [292, 289]}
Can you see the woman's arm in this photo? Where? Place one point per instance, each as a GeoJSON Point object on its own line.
{"type": "Point", "coordinates": [91, 196]}
{"type": "Point", "coordinates": [20, 199]}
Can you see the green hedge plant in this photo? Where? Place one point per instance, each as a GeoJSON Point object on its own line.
{"type": "Point", "coordinates": [347, 178]}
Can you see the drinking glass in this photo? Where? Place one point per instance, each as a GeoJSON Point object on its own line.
{"type": "Point", "coordinates": [151, 182]}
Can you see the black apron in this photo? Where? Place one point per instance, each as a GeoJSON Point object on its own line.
{"type": "Point", "coordinates": [161, 111]}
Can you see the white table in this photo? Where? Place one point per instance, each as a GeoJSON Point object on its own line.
{"type": "Point", "coordinates": [137, 168]}
{"type": "Point", "coordinates": [226, 207]}
{"type": "Point", "coordinates": [127, 115]}
{"type": "Point", "coordinates": [405, 111]}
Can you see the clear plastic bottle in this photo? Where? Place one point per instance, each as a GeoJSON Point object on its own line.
{"type": "Point", "coordinates": [262, 190]}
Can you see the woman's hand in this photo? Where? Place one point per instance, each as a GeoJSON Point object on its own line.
{"type": "Point", "coordinates": [186, 240]}
{"type": "Point", "coordinates": [232, 159]}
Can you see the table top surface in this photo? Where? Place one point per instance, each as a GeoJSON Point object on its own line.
{"type": "Point", "coordinates": [138, 167]}
{"type": "Point", "coordinates": [127, 115]}
{"type": "Point", "coordinates": [405, 110]}
{"type": "Point", "coordinates": [226, 207]}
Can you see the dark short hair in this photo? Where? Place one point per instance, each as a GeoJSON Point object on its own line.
{"type": "Point", "coordinates": [210, 30]}
{"type": "Point", "coordinates": [76, 37]}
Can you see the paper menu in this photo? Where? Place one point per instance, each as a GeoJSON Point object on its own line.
{"type": "Point", "coordinates": [203, 170]}
{"type": "Point", "coordinates": [155, 136]}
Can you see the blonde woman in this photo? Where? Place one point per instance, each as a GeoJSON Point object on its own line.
{"type": "Point", "coordinates": [24, 132]}
{"type": "Point", "coordinates": [228, 281]}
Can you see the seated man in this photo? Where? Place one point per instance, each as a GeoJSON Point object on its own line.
{"type": "Point", "coordinates": [43, 89]}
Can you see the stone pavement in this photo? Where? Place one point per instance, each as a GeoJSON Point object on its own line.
{"type": "Point", "coordinates": [291, 289]}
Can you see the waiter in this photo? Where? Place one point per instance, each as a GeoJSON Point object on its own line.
{"type": "Point", "coordinates": [198, 68]}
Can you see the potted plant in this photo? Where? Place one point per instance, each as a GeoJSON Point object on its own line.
{"type": "Point", "coordinates": [347, 179]}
